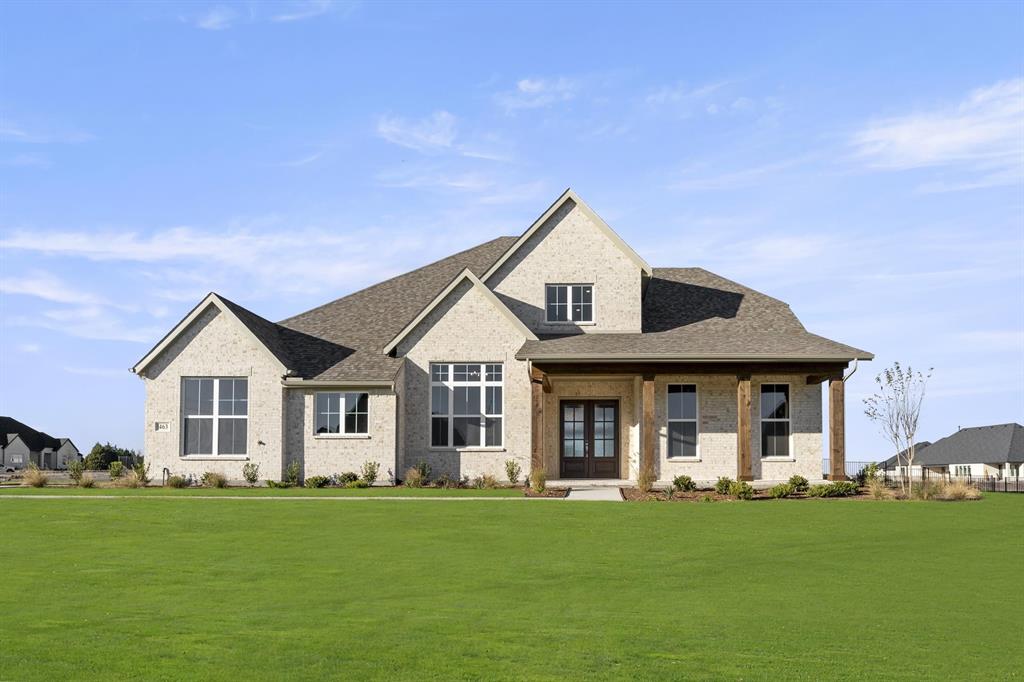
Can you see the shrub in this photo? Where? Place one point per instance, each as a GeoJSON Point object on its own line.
{"type": "Point", "coordinates": [538, 480]}
{"type": "Point", "coordinates": [959, 490]}
{"type": "Point", "coordinates": [116, 470]}
{"type": "Point", "coordinates": [446, 481]}
{"type": "Point", "coordinates": [214, 479]}
{"type": "Point", "coordinates": [291, 473]}
{"type": "Point", "coordinates": [425, 471]}
{"type": "Point", "coordinates": [317, 481]}
{"type": "Point", "coordinates": [684, 483]}
{"type": "Point", "coordinates": [414, 478]}
{"type": "Point", "coordinates": [86, 481]}
{"type": "Point", "coordinates": [278, 484]}
{"type": "Point", "coordinates": [369, 472]}
{"type": "Point", "coordinates": [76, 468]}
{"type": "Point", "coordinates": [485, 481]}
{"type": "Point", "coordinates": [36, 478]}
{"type": "Point", "coordinates": [834, 489]}
{"type": "Point", "coordinates": [706, 498]}
{"type": "Point", "coordinates": [741, 490]}
{"type": "Point", "coordinates": [346, 477]}
{"type": "Point", "coordinates": [878, 489]}
{"type": "Point", "coordinates": [723, 485]}
{"type": "Point", "coordinates": [799, 483]}
{"type": "Point", "coordinates": [513, 471]}
{"type": "Point", "coordinates": [867, 473]}
{"type": "Point", "coordinates": [928, 490]}
{"type": "Point", "coordinates": [251, 473]}
{"type": "Point", "coordinates": [130, 480]}
{"type": "Point", "coordinates": [141, 471]}
{"type": "Point", "coordinates": [645, 481]}
{"type": "Point", "coordinates": [782, 490]}
{"type": "Point", "coordinates": [358, 483]}
{"type": "Point", "coordinates": [177, 482]}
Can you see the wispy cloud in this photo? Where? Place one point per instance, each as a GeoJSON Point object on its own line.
{"type": "Point", "coordinates": [436, 132]}
{"type": "Point", "coordinates": [535, 93]}
{"type": "Point", "coordinates": [216, 19]}
{"type": "Point", "coordinates": [701, 178]}
{"type": "Point", "coordinates": [994, 340]}
{"type": "Point", "coordinates": [436, 179]}
{"type": "Point", "coordinates": [28, 347]}
{"type": "Point", "coordinates": [305, 10]}
{"type": "Point", "coordinates": [980, 140]}
{"type": "Point", "coordinates": [304, 160]}
{"type": "Point", "coordinates": [26, 161]}
{"type": "Point", "coordinates": [12, 131]}
{"type": "Point", "coordinates": [49, 288]}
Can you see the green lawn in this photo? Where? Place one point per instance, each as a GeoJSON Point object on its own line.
{"type": "Point", "coordinates": [294, 589]}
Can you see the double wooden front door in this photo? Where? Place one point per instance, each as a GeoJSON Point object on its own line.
{"type": "Point", "coordinates": [589, 435]}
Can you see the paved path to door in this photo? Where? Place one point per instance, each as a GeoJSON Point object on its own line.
{"type": "Point", "coordinates": [599, 494]}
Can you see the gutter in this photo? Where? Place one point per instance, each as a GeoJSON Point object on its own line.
{"type": "Point", "coordinates": [339, 383]}
{"type": "Point", "coordinates": [704, 357]}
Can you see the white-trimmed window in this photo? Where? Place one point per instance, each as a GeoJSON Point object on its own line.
{"type": "Point", "coordinates": [343, 414]}
{"type": "Point", "coordinates": [682, 421]}
{"type": "Point", "coordinates": [215, 416]}
{"type": "Point", "coordinates": [569, 302]}
{"type": "Point", "coordinates": [962, 470]}
{"type": "Point", "coordinates": [775, 427]}
{"type": "Point", "coordinates": [466, 405]}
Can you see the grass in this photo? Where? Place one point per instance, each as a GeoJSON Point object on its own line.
{"type": "Point", "coordinates": [242, 589]}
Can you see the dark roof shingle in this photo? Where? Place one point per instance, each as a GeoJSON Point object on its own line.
{"type": "Point", "coordinates": [997, 444]}
{"type": "Point", "coordinates": [35, 440]}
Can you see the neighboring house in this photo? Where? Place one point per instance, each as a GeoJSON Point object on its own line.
{"type": "Point", "coordinates": [561, 349]}
{"type": "Point", "coordinates": [897, 464]}
{"type": "Point", "coordinates": [21, 445]}
{"type": "Point", "coordinates": [975, 452]}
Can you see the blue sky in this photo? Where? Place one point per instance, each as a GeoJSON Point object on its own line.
{"type": "Point", "coordinates": [864, 163]}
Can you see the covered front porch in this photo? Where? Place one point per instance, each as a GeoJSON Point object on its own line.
{"type": "Point", "coordinates": [608, 422]}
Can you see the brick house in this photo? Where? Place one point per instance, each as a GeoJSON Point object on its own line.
{"type": "Point", "coordinates": [560, 348]}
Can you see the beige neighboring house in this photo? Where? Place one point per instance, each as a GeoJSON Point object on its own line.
{"type": "Point", "coordinates": [976, 452]}
{"type": "Point", "coordinates": [21, 445]}
{"type": "Point", "coordinates": [561, 349]}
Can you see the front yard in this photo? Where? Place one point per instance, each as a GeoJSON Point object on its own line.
{"type": "Point", "coordinates": [306, 589]}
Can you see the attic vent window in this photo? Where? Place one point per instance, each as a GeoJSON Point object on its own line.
{"type": "Point", "coordinates": [567, 303]}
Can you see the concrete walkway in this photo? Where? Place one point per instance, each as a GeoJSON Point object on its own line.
{"type": "Point", "coordinates": [603, 494]}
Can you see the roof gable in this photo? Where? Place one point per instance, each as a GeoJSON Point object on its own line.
{"type": "Point", "coordinates": [263, 332]}
{"type": "Point", "coordinates": [478, 285]}
{"type": "Point", "coordinates": [995, 444]}
{"type": "Point", "coordinates": [36, 441]}
{"type": "Point", "coordinates": [569, 195]}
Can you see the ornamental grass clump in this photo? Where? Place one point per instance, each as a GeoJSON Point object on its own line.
{"type": "Point", "coordinates": [214, 479]}
{"type": "Point", "coordinates": [86, 481]}
{"type": "Point", "coordinates": [36, 478]}
{"type": "Point", "coordinates": [177, 481]}
{"type": "Point", "coordinates": [414, 478]}
{"type": "Point", "coordinates": [959, 490]}
{"type": "Point", "coordinates": [538, 480]}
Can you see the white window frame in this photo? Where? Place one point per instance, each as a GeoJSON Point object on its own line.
{"type": "Point", "coordinates": [450, 384]}
{"type": "Point", "coordinates": [215, 417]}
{"type": "Point", "coordinates": [569, 303]}
{"type": "Point", "coordinates": [342, 433]}
{"type": "Point", "coordinates": [669, 420]}
{"type": "Point", "coordinates": [788, 420]}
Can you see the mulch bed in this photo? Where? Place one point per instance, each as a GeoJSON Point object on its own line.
{"type": "Point", "coordinates": [634, 495]}
{"type": "Point", "coordinates": [548, 492]}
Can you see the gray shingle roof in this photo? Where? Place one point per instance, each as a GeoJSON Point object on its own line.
{"type": "Point", "coordinates": [901, 458]}
{"type": "Point", "coordinates": [343, 340]}
{"type": "Point", "coordinates": [35, 440]}
{"type": "Point", "coordinates": [996, 444]}
{"type": "Point", "coordinates": [693, 313]}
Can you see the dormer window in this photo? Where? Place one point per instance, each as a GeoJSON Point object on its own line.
{"type": "Point", "coordinates": [567, 303]}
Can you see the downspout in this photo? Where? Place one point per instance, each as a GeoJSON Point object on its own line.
{"type": "Point", "coordinates": [852, 371]}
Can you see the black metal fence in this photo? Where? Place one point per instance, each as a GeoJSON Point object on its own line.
{"type": "Point", "coordinates": [851, 469]}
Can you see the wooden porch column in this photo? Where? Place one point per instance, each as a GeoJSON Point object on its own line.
{"type": "Point", "coordinates": [537, 420]}
{"type": "Point", "coordinates": [744, 466]}
{"type": "Point", "coordinates": [837, 429]}
{"type": "Point", "coordinates": [647, 429]}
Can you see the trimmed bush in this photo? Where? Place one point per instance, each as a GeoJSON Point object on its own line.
{"type": "Point", "coordinates": [834, 489]}
{"type": "Point", "coordinates": [799, 483]}
{"type": "Point", "coordinates": [278, 484]}
{"type": "Point", "coordinates": [414, 478]}
{"type": "Point", "coordinates": [36, 478]}
{"type": "Point", "coordinates": [116, 470]}
{"type": "Point", "coordinates": [317, 481]}
{"type": "Point", "coordinates": [251, 473]}
{"type": "Point", "coordinates": [782, 490]}
{"type": "Point", "coordinates": [741, 490]}
{"type": "Point", "coordinates": [291, 472]}
{"type": "Point", "coordinates": [214, 479]}
{"type": "Point", "coordinates": [513, 471]}
{"type": "Point", "coordinates": [369, 472]}
{"type": "Point", "coordinates": [485, 481]}
{"type": "Point", "coordinates": [346, 477]}
{"type": "Point", "coordinates": [177, 481]}
{"type": "Point", "coordinates": [538, 480]}
{"type": "Point", "coordinates": [358, 483]}
{"type": "Point", "coordinates": [723, 485]}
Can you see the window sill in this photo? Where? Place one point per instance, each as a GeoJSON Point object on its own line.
{"type": "Point", "coordinates": [683, 459]}
{"type": "Point", "coordinates": [567, 323]}
{"type": "Point", "coordinates": [778, 459]}
{"type": "Point", "coordinates": [467, 449]}
{"type": "Point", "coordinates": [214, 458]}
{"type": "Point", "coordinates": [341, 436]}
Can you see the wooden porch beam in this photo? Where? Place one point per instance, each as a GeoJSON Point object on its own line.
{"type": "Point", "coordinates": [541, 376]}
{"type": "Point", "coordinates": [647, 428]}
{"type": "Point", "coordinates": [819, 378]}
{"type": "Point", "coordinates": [837, 429]}
{"type": "Point", "coordinates": [536, 424]}
{"type": "Point", "coordinates": [744, 466]}
{"type": "Point", "coordinates": [824, 369]}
